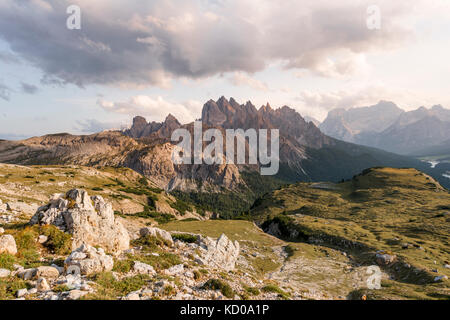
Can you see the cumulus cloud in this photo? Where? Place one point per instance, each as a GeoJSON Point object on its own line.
{"type": "Point", "coordinates": [150, 43]}
{"type": "Point", "coordinates": [155, 109]}
{"type": "Point", "coordinates": [242, 79]}
{"type": "Point", "coordinates": [5, 92]}
{"type": "Point", "coordinates": [29, 88]}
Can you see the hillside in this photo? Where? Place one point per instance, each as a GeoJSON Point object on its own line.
{"type": "Point", "coordinates": [401, 211]}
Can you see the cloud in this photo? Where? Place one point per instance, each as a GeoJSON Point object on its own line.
{"type": "Point", "coordinates": [318, 103]}
{"type": "Point", "coordinates": [5, 92]}
{"type": "Point", "coordinates": [242, 79]}
{"type": "Point", "coordinates": [151, 43]}
{"type": "Point", "coordinates": [29, 88]}
{"type": "Point", "coordinates": [8, 57]}
{"type": "Point", "coordinates": [93, 126]}
{"type": "Point", "coordinates": [155, 109]}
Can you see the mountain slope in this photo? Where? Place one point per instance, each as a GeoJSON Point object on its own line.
{"type": "Point", "coordinates": [402, 212]}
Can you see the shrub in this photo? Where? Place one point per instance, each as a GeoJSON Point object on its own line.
{"type": "Point", "coordinates": [169, 290]}
{"type": "Point", "coordinates": [26, 239]}
{"type": "Point", "coordinates": [197, 275]}
{"type": "Point", "coordinates": [275, 289]}
{"type": "Point", "coordinates": [185, 237]}
{"type": "Point", "coordinates": [216, 284]}
{"type": "Point", "coordinates": [252, 291]}
{"type": "Point", "coordinates": [290, 250]}
{"type": "Point", "coordinates": [58, 241]}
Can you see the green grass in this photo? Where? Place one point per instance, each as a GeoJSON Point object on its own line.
{"type": "Point", "coordinates": [7, 261]}
{"type": "Point", "coordinates": [10, 286]}
{"type": "Point", "coordinates": [185, 237]}
{"type": "Point", "coordinates": [223, 287]}
{"type": "Point", "coordinates": [275, 289]}
{"type": "Point", "coordinates": [380, 209]}
{"type": "Point", "coordinates": [108, 288]}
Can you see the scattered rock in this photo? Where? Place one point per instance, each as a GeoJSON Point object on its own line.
{"type": "Point", "coordinates": [440, 278]}
{"type": "Point", "coordinates": [132, 296]}
{"type": "Point", "coordinates": [21, 207]}
{"type": "Point", "coordinates": [143, 268]}
{"type": "Point", "coordinates": [27, 274]}
{"type": "Point", "coordinates": [179, 268]}
{"type": "Point", "coordinates": [2, 231]}
{"type": "Point", "coordinates": [42, 239]}
{"type": "Point", "coordinates": [32, 291]}
{"type": "Point", "coordinates": [8, 244]}
{"type": "Point", "coordinates": [21, 293]}
{"type": "Point", "coordinates": [89, 219]}
{"type": "Point", "coordinates": [158, 233]}
{"type": "Point", "coordinates": [4, 273]}
{"type": "Point", "coordinates": [447, 266]}
{"type": "Point", "coordinates": [46, 272]}
{"type": "Point", "coordinates": [89, 260]}
{"type": "Point", "coordinates": [76, 294]}
{"type": "Point", "coordinates": [221, 253]}
{"type": "Point", "coordinates": [42, 285]}
{"type": "Point", "coordinates": [385, 259]}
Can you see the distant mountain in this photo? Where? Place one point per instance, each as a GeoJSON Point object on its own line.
{"type": "Point", "coordinates": [313, 120]}
{"type": "Point", "coordinates": [348, 124]}
{"type": "Point", "coordinates": [387, 127]}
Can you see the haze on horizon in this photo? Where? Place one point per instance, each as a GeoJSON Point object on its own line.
{"type": "Point", "coordinates": [171, 57]}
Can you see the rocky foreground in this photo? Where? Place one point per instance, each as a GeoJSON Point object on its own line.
{"type": "Point", "coordinates": [105, 264]}
{"type": "Point", "coordinates": [130, 240]}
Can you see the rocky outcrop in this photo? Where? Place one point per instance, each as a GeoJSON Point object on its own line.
{"type": "Point", "coordinates": [383, 258]}
{"type": "Point", "coordinates": [8, 244]}
{"type": "Point", "coordinates": [221, 253]}
{"type": "Point", "coordinates": [90, 220]}
{"type": "Point", "coordinates": [143, 129]}
{"type": "Point", "coordinates": [88, 260]}
{"type": "Point", "coordinates": [157, 233]}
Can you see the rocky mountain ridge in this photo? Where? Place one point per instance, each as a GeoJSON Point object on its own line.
{"type": "Point", "coordinates": [388, 127]}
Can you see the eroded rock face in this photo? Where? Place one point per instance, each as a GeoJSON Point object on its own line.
{"type": "Point", "coordinates": [90, 220]}
{"type": "Point", "coordinates": [8, 244]}
{"type": "Point", "coordinates": [88, 260]}
{"type": "Point", "coordinates": [221, 253]}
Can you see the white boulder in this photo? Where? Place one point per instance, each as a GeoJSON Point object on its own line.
{"type": "Point", "coordinates": [221, 253]}
{"type": "Point", "coordinates": [8, 244]}
{"type": "Point", "coordinates": [90, 261]}
{"type": "Point", "coordinates": [90, 220]}
{"type": "Point", "coordinates": [158, 233]}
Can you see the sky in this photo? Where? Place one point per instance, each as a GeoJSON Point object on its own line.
{"type": "Point", "coordinates": [156, 57]}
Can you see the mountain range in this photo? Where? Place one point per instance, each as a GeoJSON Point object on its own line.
{"type": "Point", "coordinates": [390, 128]}
{"type": "Point", "coordinates": [306, 154]}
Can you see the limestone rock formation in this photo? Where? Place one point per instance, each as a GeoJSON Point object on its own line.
{"type": "Point", "coordinates": [89, 260]}
{"type": "Point", "coordinates": [89, 219]}
{"type": "Point", "coordinates": [221, 253]}
{"type": "Point", "coordinates": [8, 244]}
{"type": "Point", "coordinates": [157, 233]}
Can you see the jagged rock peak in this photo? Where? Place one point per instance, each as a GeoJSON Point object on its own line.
{"type": "Point", "coordinates": [171, 118]}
